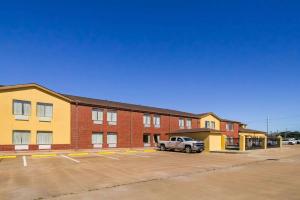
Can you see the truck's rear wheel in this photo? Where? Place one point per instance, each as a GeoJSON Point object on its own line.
{"type": "Point", "coordinates": [188, 149]}
{"type": "Point", "coordinates": [162, 147]}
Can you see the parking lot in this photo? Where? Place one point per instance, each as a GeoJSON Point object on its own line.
{"type": "Point", "coordinates": [148, 174]}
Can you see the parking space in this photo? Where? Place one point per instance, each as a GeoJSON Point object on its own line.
{"type": "Point", "coordinates": [56, 175]}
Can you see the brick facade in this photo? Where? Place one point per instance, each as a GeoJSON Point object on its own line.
{"type": "Point", "coordinates": [129, 128]}
{"type": "Point", "coordinates": [234, 133]}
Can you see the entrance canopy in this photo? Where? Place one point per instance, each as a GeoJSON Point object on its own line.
{"type": "Point", "coordinates": [211, 138]}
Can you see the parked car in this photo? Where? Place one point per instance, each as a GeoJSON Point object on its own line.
{"type": "Point", "coordinates": [181, 144]}
{"type": "Point", "coordinates": [297, 141]}
{"type": "Point", "coordinates": [290, 141]}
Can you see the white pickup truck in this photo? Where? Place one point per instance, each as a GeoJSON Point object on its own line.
{"type": "Point", "coordinates": [181, 143]}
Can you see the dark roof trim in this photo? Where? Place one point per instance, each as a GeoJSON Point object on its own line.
{"type": "Point", "coordinates": [195, 130]}
{"type": "Point", "coordinates": [228, 120]}
{"type": "Point", "coordinates": [208, 113]}
{"type": "Point", "coordinates": [245, 130]}
{"type": "Point", "coordinates": [126, 106]}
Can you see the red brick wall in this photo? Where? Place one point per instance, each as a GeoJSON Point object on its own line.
{"type": "Point", "coordinates": [127, 122]}
{"type": "Point", "coordinates": [32, 147]}
{"type": "Point", "coordinates": [234, 133]}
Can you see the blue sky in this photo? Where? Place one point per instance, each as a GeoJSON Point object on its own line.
{"type": "Point", "coordinates": [239, 59]}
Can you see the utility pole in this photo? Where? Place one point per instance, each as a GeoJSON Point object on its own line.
{"type": "Point", "coordinates": [268, 125]}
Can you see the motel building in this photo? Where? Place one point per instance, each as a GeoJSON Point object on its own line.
{"type": "Point", "coordinates": [33, 117]}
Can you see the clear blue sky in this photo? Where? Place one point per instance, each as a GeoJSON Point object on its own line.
{"type": "Point", "coordinates": [239, 59]}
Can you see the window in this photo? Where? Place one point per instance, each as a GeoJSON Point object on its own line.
{"type": "Point", "coordinates": [97, 116]}
{"type": "Point", "coordinates": [173, 138]}
{"type": "Point", "coordinates": [21, 109]}
{"type": "Point", "coordinates": [189, 123]}
{"type": "Point", "coordinates": [156, 121]}
{"type": "Point", "coordinates": [207, 124]}
{"type": "Point", "coordinates": [44, 111]}
{"type": "Point", "coordinates": [147, 120]}
{"type": "Point", "coordinates": [44, 138]}
{"type": "Point", "coordinates": [21, 137]}
{"type": "Point", "coordinates": [156, 138]}
{"type": "Point", "coordinates": [146, 140]}
{"type": "Point", "coordinates": [97, 140]}
{"type": "Point", "coordinates": [112, 117]}
{"type": "Point", "coordinates": [212, 125]}
{"type": "Point", "coordinates": [179, 140]}
{"type": "Point", "coordinates": [229, 127]}
{"type": "Point", "coordinates": [112, 139]}
{"type": "Point", "coordinates": [181, 123]}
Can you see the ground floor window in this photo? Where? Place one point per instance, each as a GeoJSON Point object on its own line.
{"type": "Point", "coordinates": [21, 137]}
{"type": "Point", "coordinates": [112, 139]}
{"type": "Point", "coordinates": [97, 140]}
{"type": "Point", "coordinates": [146, 139]}
{"type": "Point", "coordinates": [156, 138]}
{"type": "Point", "coordinates": [44, 138]}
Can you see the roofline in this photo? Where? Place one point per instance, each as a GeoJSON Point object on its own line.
{"type": "Point", "coordinates": [20, 86]}
{"type": "Point", "coordinates": [201, 115]}
{"type": "Point", "coordinates": [228, 120]}
{"type": "Point", "coordinates": [183, 114]}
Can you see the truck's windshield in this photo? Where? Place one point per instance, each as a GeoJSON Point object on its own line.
{"type": "Point", "coordinates": [188, 139]}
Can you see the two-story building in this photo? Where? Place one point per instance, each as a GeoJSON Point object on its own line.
{"type": "Point", "coordinates": [99, 123]}
{"type": "Point", "coordinates": [33, 117]}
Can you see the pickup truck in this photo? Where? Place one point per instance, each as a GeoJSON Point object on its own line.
{"type": "Point", "coordinates": [290, 141]}
{"type": "Point", "coordinates": [185, 144]}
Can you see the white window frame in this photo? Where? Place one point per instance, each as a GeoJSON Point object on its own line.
{"type": "Point", "coordinates": [22, 115]}
{"type": "Point", "coordinates": [188, 123]}
{"type": "Point", "coordinates": [156, 121]}
{"type": "Point", "coordinates": [213, 125]}
{"type": "Point", "coordinates": [112, 144]}
{"type": "Point", "coordinates": [112, 117]}
{"type": "Point", "coordinates": [147, 120]}
{"type": "Point", "coordinates": [147, 144]}
{"type": "Point", "coordinates": [22, 145]}
{"type": "Point", "coordinates": [181, 123]}
{"type": "Point", "coordinates": [44, 145]}
{"type": "Point", "coordinates": [97, 144]}
{"type": "Point", "coordinates": [42, 114]}
{"type": "Point", "coordinates": [228, 127]}
{"type": "Point", "coordinates": [97, 116]}
{"type": "Point", "coordinates": [207, 124]}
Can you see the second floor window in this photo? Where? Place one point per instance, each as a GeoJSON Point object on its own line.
{"type": "Point", "coordinates": [181, 123]}
{"type": "Point", "coordinates": [147, 120]}
{"type": "Point", "coordinates": [44, 111]}
{"type": "Point", "coordinates": [21, 109]}
{"type": "Point", "coordinates": [210, 124]}
{"type": "Point", "coordinates": [229, 127]}
{"type": "Point", "coordinates": [156, 121]}
{"type": "Point", "coordinates": [189, 123]}
{"type": "Point", "coordinates": [112, 117]}
{"type": "Point", "coordinates": [97, 116]}
{"type": "Point", "coordinates": [207, 124]}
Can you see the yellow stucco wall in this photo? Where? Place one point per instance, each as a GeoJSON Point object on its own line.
{"type": "Point", "coordinates": [215, 142]}
{"type": "Point", "coordinates": [210, 118]}
{"type": "Point", "coordinates": [60, 124]}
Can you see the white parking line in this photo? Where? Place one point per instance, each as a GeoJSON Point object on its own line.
{"type": "Point", "coordinates": [114, 158]}
{"type": "Point", "coordinates": [24, 161]}
{"type": "Point", "coordinates": [67, 157]}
